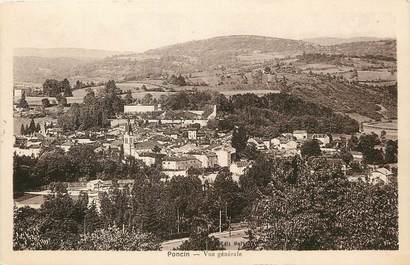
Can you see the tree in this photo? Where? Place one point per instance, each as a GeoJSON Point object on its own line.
{"type": "Point", "coordinates": [32, 127]}
{"type": "Point", "coordinates": [376, 206]}
{"type": "Point", "coordinates": [51, 87]}
{"type": "Point", "coordinates": [62, 101]}
{"type": "Point", "coordinates": [162, 99]}
{"type": "Point", "coordinates": [53, 166]}
{"type": "Point", "coordinates": [23, 177]}
{"type": "Point", "coordinates": [26, 234]}
{"type": "Point", "coordinates": [367, 142]}
{"type": "Point", "coordinates": [180, 80]}
{"type": "Point", "coordinates": [346, 156]}
{"type": "Point", "coordinates": [115, 207]}
{"type": "Point", "coordinates": [156, 149]}
{"type": "Point", "coordinates": [296, 170]}
{"type": "Point", "coordinates": [128, 98]}
{"type": "Point", "coordinates": [239, 139]}
{"type": "Point", "coordinates": [92, 113]}
{"type": "Point", "coordinates": [60, 227]}
{"type": "Point", "coordinates": [78, 85]}
{"type": "Point", "coordinates": [22, 103]}
{"type": "Point", "coordinates": [111, 102]}
{"type": "Point", "coordinates": [83, 161]}
{"type": "Point", "coordinates": [310, 148]}
{"type": "Point", "coordinates": [38, 127]}
{"type": "Point", "coordinates": [22, 129]}
{"type": "Point", "coordinates": [113, 238]}
{"type": "Point", "coordinates": [321, 210]}
{"type": "Point", "coordinates": [178, 101]}
{"type": "Point", "coordinates": [226, 192]}
{"type": "Point", "coordinates": [111, 87]}
{"type": "Point", "coordinates": [250, 151]}
{"type": "Point", "coordinates": [366, 145]}
{"type": "Point", "coordinates": [255, 181]}
{"type": "Point", "coordinates": [222, 103]}
{"type": "Point", "coordinates": [201, 241]}
{"type": "Point", "coordinates": [147, 99]}
{"type": "Point", "coordinates": [92, 220]}
{"type": "Point", "coordinates": [177, 80]}
{"type": "Point", "coordinates": [353, 143]}
{"type": "Point", "coordinates": [391, 151]}
{"type": "Point", "coordinates": [45, 102]}
{"type": "Point", "coordinates": [66, 88]}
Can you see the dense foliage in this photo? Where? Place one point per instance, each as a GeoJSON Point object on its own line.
{"type": "Point", "coordinates": [31, 128]}
{"type": "Point", "coordinates": [323, 210]}
{"type": "Point", "coordinates": [94, 111]}
{"type": "Point", "coordinates": [302, 203]}
{"type": "Point", "coordinates": [53, 88]}
{"type": "Point", "coordinates": [64, 224]}
{"type": "Point", "coordinates": [22, 103]}
{"type": "Point", "coordinates": [80, 162]}
{"type": "Point", "coordinates": [290, 203]}
{"type": "Point", "coordinates": [272, 114]}
{"type": "Point", "coordinates": [266, 115]}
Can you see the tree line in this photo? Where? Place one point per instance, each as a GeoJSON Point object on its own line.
{"type": "Point", "coordinates": [95, 110]}
{"type": "Point", "coordinates": [53, 88]}
{"type": "Point", "coordinates": [312, 206]}
{"type": "Point", "coordinates": [31, 128]}
{"type": "Point", "coordinates": [289, 204]}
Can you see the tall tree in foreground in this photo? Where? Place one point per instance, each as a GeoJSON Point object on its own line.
{"type": "Point", "coordinates": [66, 88]}
{"type": "Point", "coordinates": [22, 103]}
{"type": "Point", "coordinates": [114, 238]}
{"type": "Point", "coordinates": [239, 139]}
{"type": "Point", "coordinates": [322, 210]}
{"type": "Point", "coordinates": [199, 238]}
{"type": "Point", "coordinates": [60, 225]}
{"type": "Point", "coordinates": [26, 234]}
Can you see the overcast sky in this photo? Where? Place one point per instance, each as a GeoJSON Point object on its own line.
{"type": "Point", "coordinates": [141, 25]}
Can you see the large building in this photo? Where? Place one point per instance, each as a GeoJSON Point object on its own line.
{"type": "Point", "coordinates": [180, 163]}
{"type": "Point", "coordinates": [136, 109]}
{"type": "Point", "coordinates": [224, 155]}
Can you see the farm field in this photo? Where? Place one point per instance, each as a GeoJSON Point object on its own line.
{"type": "Point", "coordinates": [137, 93]}
{"type": "Point", "coordinates": [259, 57]}
{"type": "Point", "coordinates": [37, 100]}
{"type": "Point", "coordinates": [376, 75]}
{"type": "Point", "coordinates": [359, 118]}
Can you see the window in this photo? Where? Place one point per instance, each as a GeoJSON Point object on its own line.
{"type": "Point", "coordinates": [126, 140]}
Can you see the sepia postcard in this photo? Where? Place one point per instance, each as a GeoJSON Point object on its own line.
{"type": "Point", "coordinates": [205, 132]}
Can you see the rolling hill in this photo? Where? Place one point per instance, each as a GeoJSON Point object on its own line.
{"type": "Point", "coordinates": [326, 41]}
{"type": "Point", "coordinates": [384, 48]}
{"type": "Point", "coordinates": [34, 65]}
{"type": "Point", "coordinates": [234, 45]}
{"type": "Point", "coordinates": [235, 55]}
{"type": "Point", "coordinates": [65, 52]}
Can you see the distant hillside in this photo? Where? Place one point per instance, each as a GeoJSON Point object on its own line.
{"type": "Point", "coordinates": [64, 52]}
{"type": "Point", "coordinates": [231, 52]}
{"type": "Point", "coordinates": [37, 69]}
{"type": "Point", "coordinates": [385, 48]}
{"type": "Point", "coordinates": [326, 41]}
{"type": "Point", "coordinates": [36, 65]}
{"type": "Point", "coordinates": [238, 44]}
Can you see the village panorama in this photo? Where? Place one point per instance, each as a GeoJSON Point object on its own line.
{"type": "Point", "coordinates": [235, 142]}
